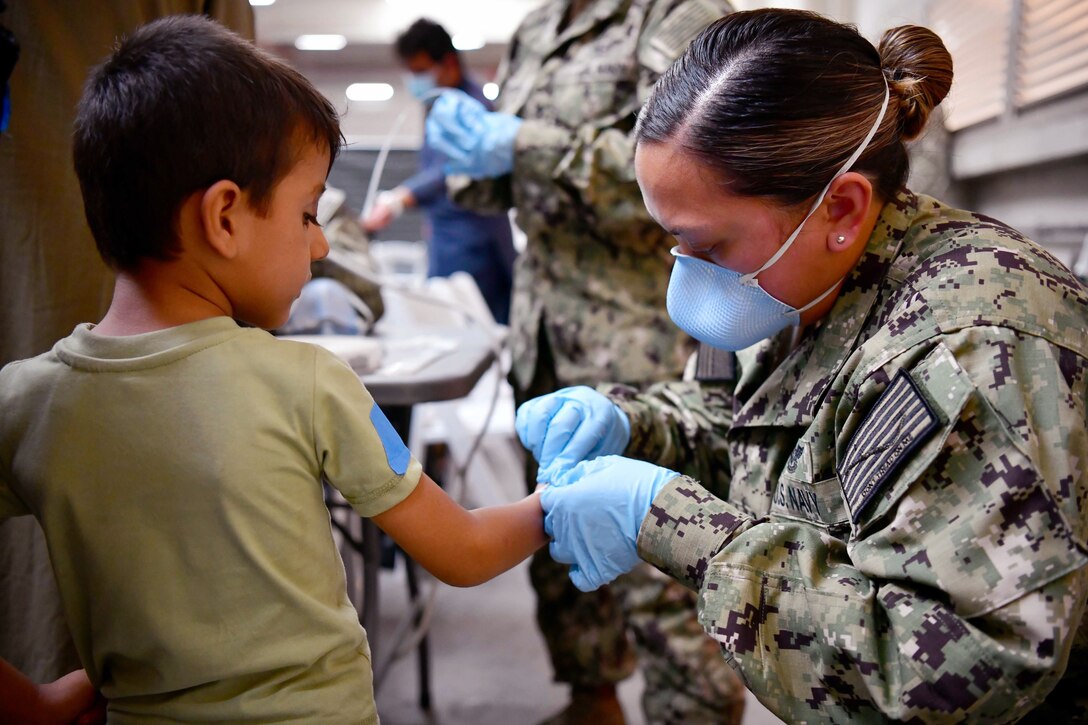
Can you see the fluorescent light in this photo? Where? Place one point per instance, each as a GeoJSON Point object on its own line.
{"type": "Point", "coordinates": [491, 91]}
{"type": "Point", "coordinates": [467, 41]}
{"type": "Point", "coordinates": [369, 92]}
{"type": "Point", "coordinates": [261, 3]}
{"type": "Point", "coordinates": [320, 42]}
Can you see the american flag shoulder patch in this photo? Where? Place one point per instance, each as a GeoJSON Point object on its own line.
{"type": "Point", "coordinates": [900, 421]}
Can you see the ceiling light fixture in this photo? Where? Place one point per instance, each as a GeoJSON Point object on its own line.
{"type": "Point", "coordinates": [320, 42]}
{"type": "Point", "coordinates": [467, 41]}
{"type": "Point", "coordinates": [367, 92]}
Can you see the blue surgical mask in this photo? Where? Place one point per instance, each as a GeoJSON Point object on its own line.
{"type": "Point", "coordinates": [729, 310]}
{"type": "Point", "coordinates": [420, 84]}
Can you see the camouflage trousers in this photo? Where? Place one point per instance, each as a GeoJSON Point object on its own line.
{"type": "Point", "coordinates": [595, 638]}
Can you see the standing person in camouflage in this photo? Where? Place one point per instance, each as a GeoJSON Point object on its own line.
{"type": "Point", "coordinates": [588, 303]}
{"type": "Point", "coordinates": [905, 533]}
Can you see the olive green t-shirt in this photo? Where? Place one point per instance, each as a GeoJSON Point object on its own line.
{"type": "Point", "coordinates": [177, 475]}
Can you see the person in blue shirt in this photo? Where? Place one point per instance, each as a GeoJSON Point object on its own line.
{"type": "Point", "coordinates": [459, 239]}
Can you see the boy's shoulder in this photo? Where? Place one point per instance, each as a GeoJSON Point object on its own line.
{"type": "Point", "coordinates": [18, 374]}
{"type": "Point", "coordinates": [209, 341]}
{"type": "Point", "coordinates": [247, 352]}
{"type": "Point", "coordinates": [24, 390]}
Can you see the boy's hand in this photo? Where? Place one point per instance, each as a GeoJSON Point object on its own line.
{"type": "Point", "coordinates": [72, 699]}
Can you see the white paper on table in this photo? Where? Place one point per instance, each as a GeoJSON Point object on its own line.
{"type": "Point", "coordinates": [363, 354]}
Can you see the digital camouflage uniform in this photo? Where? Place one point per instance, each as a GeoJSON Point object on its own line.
{"type": "Point", "coordinates": [589, 301]}
{"type": "Point", "coordinates": [904, 537]}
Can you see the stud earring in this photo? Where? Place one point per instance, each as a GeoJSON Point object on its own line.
{"type": "Point", "coordinates": [841, 239]}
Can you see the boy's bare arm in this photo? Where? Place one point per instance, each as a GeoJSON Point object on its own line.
{"type": "Point", "coordinates": [72, 698]}
{"type": "Point", "coordinates": [460, 547]}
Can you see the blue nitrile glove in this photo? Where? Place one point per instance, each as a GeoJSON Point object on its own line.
{"type": "Point", "coordinates": [568, 426]}
{"type": "Point", "coordinates": [475, 141]}
{"type": "Point", "coordinates": [593, 512]}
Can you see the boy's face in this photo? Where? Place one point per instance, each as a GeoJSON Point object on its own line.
{"type": "Point", "coordinates": [282, 244]}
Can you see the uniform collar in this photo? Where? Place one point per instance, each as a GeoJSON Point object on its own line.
{"type": "Point", "coordinates": [784, 388]}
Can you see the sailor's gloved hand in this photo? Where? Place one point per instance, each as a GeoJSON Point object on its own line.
{"type": "Point", "coordinates": [475, 141]}
{"type": "Point", "coordinates": [568, 426]}
{"type": "Point", "coordinates": [593, 512]}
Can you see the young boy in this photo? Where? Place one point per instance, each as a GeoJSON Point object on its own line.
{"type": "Point", "coordinates": [175, 459]}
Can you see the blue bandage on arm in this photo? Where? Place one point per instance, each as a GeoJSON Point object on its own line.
{"type": "Point", "coordinates": [396, 453]}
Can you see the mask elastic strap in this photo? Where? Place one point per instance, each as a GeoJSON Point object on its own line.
{"type": "Point", "coordinates": [750, 278]}
{"type": "Point", "coordinates": [816, 301]}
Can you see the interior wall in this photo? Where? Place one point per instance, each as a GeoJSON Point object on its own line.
{"type": "Point", "coordinates": [1048, 202]}
{"type": "Point", "coordinates": [1045, 199]}
{"type": "Point", "coordinates": [367, 125]}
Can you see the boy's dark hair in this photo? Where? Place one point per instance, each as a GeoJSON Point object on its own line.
{"type": "Point", "coordinates": [425, 36]}
{"type": "Point", "coordinates": [181, 104]}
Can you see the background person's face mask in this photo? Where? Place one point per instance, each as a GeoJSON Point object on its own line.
{"type": "Point", "coordinates": [421, 84]}
{"type": "Point", "coordinates": [729, 310]}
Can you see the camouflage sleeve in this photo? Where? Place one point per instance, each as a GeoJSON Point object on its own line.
{"type": "Point", "coordinates": [956, 592]}
{"type": "Point", "coordinates": [483, 196]}
{"type": "Point", "coordinates": [680, 425]}
{"type": "Point", "coordinates": [486, 196]}
{"type": "Point", "coordinates": [685, 529]}
{"type": "Point", "coordinates": [595, 163]}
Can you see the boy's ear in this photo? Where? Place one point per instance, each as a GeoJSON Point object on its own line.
{"type": "Point", "coordinates": [221, 216]}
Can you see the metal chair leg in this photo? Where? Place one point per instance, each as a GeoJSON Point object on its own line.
{"type": "Point", "coordinates": [423, 650]}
